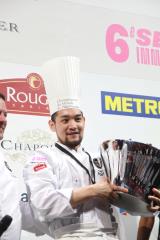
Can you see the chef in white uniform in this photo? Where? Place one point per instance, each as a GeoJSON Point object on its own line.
{"type": "Point", "coordinates": [68, 189]}
{"type": "Point", "coordinates": [9, 195]}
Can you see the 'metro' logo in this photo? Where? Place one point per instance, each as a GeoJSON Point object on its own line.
{"type": "Point", "coordinates": [130, 105]}
{"type": "Point", "coordinates": [25, 95]}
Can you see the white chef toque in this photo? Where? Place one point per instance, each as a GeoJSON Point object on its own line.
{"type": "Point", "coordinates": [61, 81]}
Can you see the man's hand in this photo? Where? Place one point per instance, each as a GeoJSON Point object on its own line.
{"type": "Point", "coordinates": [155, 198]}
{"type": "Point", "coordinates": [105, 189]}
{"type": "Point", "coordinates": [102, 189]}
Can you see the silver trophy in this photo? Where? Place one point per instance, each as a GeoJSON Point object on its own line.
{"type": "Point", "coordinates": [135, 166]}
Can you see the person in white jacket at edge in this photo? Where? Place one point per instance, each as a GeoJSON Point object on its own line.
{"type": "Point", "coordinates": [69, 195]}
{"type": "Point", "coordinates": [9, 195]}
{"type": "Point", "coordinates": [11, 205]}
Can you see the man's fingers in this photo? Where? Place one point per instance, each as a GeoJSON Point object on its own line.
{"type": "Point", "coordinates": [120, 189]}
{"type": "Point", "coordinates": [156, 192]}
{"type": "Point", "coordinates": [113, 196]}
{"type": "Point", "coordinates": [155, 199]}
{"type": "Point", "coordinates": [153, 209]}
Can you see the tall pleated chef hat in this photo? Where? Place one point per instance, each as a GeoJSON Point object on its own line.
{"type": "Point", "coordinates": [61, 80]}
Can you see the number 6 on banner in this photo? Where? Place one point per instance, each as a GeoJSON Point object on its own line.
{"type": "Point", "coordinates": [117, 49]}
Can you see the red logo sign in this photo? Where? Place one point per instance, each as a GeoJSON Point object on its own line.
{"type": "Point", "coordinates": [25, 95]}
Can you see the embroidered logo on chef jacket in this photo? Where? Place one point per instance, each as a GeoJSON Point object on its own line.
{"type": "Point", "coordinates": [101, 172]}
{"type": "Point", "coordinates": [39, 167]}
{"type": "Point", "coordinates": [97, 162]}
{"type": "Point", "coordinates": [38, 159]}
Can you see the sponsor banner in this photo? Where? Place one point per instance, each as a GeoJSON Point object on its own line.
{"type": "Point", "coordinates": [123, 96]}
{"type": "Point", "coordinates": [110, 115]}
{"type": "Point", "coordinates": [130, 105]}
{"type": "Point", "coordinates": [25, 95]}
{"type": "Point", "coordinates": [141, 44]}
{"type": "Point", "coordinates": [20, 146]}
{"type": "Point", "coordinates": [8, 26]}
{"type": "Point", "coordinates": [28, 114]}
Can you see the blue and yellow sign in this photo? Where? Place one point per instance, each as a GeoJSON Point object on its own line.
{"type": "Point", "coordinates": [130, 105]}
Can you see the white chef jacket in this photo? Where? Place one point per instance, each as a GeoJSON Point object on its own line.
{"type": "Point", "coordinates": [50, 177]}
{"type": "Point", "coordinates": [9, 201]}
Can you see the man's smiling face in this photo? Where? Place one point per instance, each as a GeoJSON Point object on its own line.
{"type": "Point", "coordinates": [69, 127]}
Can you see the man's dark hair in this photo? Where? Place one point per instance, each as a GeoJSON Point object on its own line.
{"type": "Point", "coordinates": [54, 115]}
{"type": "Point", "coordinates": [2, 96]}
